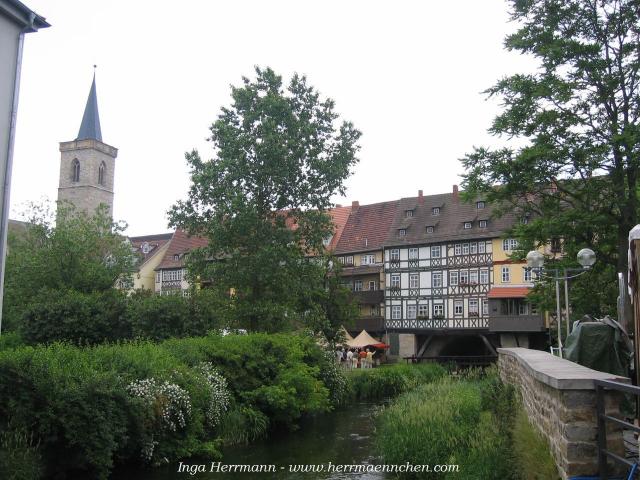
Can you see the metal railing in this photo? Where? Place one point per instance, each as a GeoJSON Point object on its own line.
{"type": "Point", "coordinates": [603, 418]}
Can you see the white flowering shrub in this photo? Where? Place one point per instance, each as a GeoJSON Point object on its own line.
{"type": "Point", "coordinates": [169, 403]}
{"type": "Point", "coordinates": [219, 391]}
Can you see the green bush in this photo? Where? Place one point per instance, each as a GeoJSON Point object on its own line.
{"type": "Point", "coordinates": [147, 402]}
{"type": "Point", "coordinates": [392, 380]}
{"type": "Point", "coordinates": [19, 456]}
{"type": "Point", "coordinates": [83, 318]}
{"type": "Point", "coordinates": [97, 317]}
{"type": "Point", "coordinates": [10, 340]}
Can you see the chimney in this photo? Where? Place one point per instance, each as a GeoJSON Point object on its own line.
{"type": "Point", "coordinates": [420, 197]}
{"type": "Point", "coordinates": [355, 204]}
{"type": "Point", "coordinates": [455, 193]}
{"type": "Point", "coordinates": [338, 205]}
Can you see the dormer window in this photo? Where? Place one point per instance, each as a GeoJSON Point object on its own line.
{"type": "Point", "coordinates": [480, 204]}
{"type": "Point", "coordinates": [482, 224]}
{"type": "Point", "coordinates": [524, 220]}
{"type": "Point", "coordinates": [176, 257]}
{"type": "Point", "coordinates": [402, 232]}
{"type": "Point", "coordinates": [327, 240]}
{"type": "Point", "coordinates": [435, 211]}
{"type": "Point", "coordinates": [408, 213]}
{"type": "Point", "coordinates": [430, 229]}
{"type": "Point", "coordinates": [467, 225]}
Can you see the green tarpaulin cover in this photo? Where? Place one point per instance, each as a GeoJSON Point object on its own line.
{"type": "Point", "coordinates": [601, 345]}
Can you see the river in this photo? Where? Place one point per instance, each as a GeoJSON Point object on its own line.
{"type": "Point", "coordinates": [343, 437]}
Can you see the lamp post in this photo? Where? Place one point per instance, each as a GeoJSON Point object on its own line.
{"type": "Point", "coordinates": [535, 261]}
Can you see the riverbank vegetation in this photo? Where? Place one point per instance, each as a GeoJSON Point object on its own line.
{"type": "Point", "coordinates": [154, 403]}
{"type": "Point", "coordinates": [475, 422]}
{"type": "Point", "coordinates": [391, 380]}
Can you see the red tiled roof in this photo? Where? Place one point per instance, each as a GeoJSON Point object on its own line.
{"type": "Point", "coordinates": [508, 292]}
{"type": "Point", "coordinates": [181, 243]}
{"type": "Point", "coordinates": [367, 227]}
{"type": "Point", "coordinates": [155, 242]}
{"type": "Point", "coordinates": [339, 217]}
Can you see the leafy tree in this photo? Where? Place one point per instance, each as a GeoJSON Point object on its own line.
{"type": "Point", "coordinates": [72, 252]}
{"type": "Point", "coordinates": [576, 173]}
{"type": "Point", "coordinates": [262, 200]}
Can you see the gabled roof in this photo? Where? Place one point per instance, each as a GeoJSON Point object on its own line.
{"type": "Point", "coordinates": [154, 242]}
{"type": "Point", "coordinates": [367, 227]}
{"type": "Point", "coordinates": [90, 126]}
{"type": "Point", "coordinates": [339, 217]}
{"type": "Point", "coordinates": [448, 224]}
{"type": "Point", "coordinates": [180, 244]}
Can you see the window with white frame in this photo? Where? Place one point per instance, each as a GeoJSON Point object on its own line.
{"type": "Point", "coordinates": [357, 286]}
{"type": "Point", "coordinates": [436, 279]}
{"type": "Point", "coordinates": [157, 277]}
{"type": "Point", "coordinates": [326, 241]}
{"type": "Point", "coordinates": [523, 308]}
{"type": "Point", "coordinates": [480, 205]}
{"type": "Point", "coordinates": [484, 277]}
{"type": "Point", "coordinates": [430, 229]}
{"type": "Point", "coordinates": [482, 224]}
{"type": "Point", "coordinates": [473, 277]}
{"type": "Point", "coordinates": [372, 285]}
{"type": "Point", "coordinates": [438, 310]}
{"type": "Point", "coordinates": [435, 251]}
{"type": "Point", "coordinates": [453, 278]}
{"type": "Point", "coordinates": [395, 254]}
{"type": "Point", "coordinates": [473, 248]}
{"type": "Point", "coordinates": [534, 309]}
{"type": "Point", "coordinates": [402, 232]}
{"type": "Point", "coordinates": [374, 310]}
{"type": "Point", "coordinates": [509, 244]}
{"type": "Point", "coordinates": [473, 306]}
{"type": "Point", "coordinates": [467, 225]}
{"type": "Point", "coordinates": [411, 311]}
{"type": "Point", "coordinates": [171, 275]}
{"type": "Point", "coordinates": [526, 274]}
{"type": "Point", "coordinates": [482, 247]}
{"type": "Point", "coordinates": [435, 211]}
{"type": "Point", "coordinates": [414, 280]}
{"type": "Point", "coordinates": [524, 220]}
{"type": "Point", "coordinates": [413, 254]}
{"type": "Point", "coordinates": [348, 260]}
{"type": "Point", "coordinates": [465, 249]}
{"type": "Point", "coordinates": [485, 307]}
{"type": "Point", "coordinates": [464, 277]}
{"type": "Point", "coordinates": [423, 311]}
{"type": "Point", "coordinates": [367, 259]}
{"type": "Point", "coordinates": [458, 307]}
{"type": "Point", "coordinates": [506, 274]}
{"type": "Point", "coordinates": [408, 213]}
{"type": "Point", "coordinates": [396, 312]}
{"type": "Point", "coordinates": [395, 280]}
{"type": "Point", "coordinates": [457, 249]}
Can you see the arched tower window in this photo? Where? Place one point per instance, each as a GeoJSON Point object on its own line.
{"type": "Point", "coordinates": [75, 170]}
{"type": "Point", "coordinates": [101, 172]}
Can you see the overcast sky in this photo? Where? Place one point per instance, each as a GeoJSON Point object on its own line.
{"type": "Point", "coordinates": [408, 74]}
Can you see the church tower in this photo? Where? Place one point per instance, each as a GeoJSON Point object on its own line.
{"type": "Point", "coordinates": [87, 163]}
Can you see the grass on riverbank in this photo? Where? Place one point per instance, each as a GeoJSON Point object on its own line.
{"type": "Point", "coordinates": [476, 423]}
{"type": "Point", "coordinates": [391, 380]}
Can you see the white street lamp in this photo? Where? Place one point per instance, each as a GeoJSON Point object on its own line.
{"type": "Point", "coordinates": [535, 261]}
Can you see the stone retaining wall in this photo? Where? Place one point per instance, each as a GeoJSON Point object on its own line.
{"type": "Point", "coordinates": [560, 400]}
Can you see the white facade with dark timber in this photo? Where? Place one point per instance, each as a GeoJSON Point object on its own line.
{"type": "Point", "coordinates": [438, 286]}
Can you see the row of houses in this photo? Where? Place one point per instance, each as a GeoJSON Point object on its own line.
{"type": "Point", "coordinates": [432, 274]}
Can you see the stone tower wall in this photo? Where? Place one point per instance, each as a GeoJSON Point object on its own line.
{"type": "Point", "coordinates": [87, 194]}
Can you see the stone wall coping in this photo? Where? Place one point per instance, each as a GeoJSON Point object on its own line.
{"type": "Point", "coordinates": [557, 372]}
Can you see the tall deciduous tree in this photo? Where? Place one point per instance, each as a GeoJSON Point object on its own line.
{"type": "Point", "coordinates": [280, 155]}
{"type": "Point", "coordinates": [577, 173]}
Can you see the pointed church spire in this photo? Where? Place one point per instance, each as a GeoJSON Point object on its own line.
{"type": "Point", "coordinates": [90, 127]}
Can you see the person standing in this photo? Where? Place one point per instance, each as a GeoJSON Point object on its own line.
{"type": "Point", "coordinates": [369, 358]}
{"type": "Point", "coordinates": [349, 359]}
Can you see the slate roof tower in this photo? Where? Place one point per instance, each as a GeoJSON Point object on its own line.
{"type": "Point", "coordinates": [87, 164]}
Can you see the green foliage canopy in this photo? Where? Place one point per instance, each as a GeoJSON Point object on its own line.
{"type": "Point", "coordinates": [576, 173]}
{"type": "Point", "coordinates": [262, 200]}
